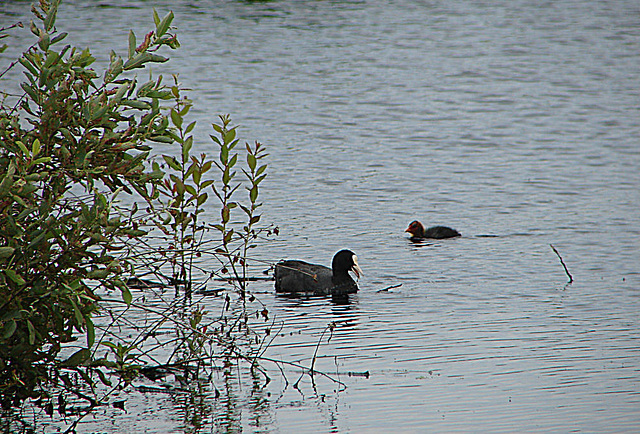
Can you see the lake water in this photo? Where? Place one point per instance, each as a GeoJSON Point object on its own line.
{"type": "Point", "coordinates": [517, 123]}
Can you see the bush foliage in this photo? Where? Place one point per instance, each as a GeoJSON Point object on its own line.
{"type": "Point", "coordinates": [71, 143]}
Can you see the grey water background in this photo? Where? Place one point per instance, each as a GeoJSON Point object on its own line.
{"type": "Point", "coordinates": [517, 123]}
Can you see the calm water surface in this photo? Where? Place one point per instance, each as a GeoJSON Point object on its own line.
{"type": "Point", "coordinates": [519, 120]}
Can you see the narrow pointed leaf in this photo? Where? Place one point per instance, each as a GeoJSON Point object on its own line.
{"type": "Point", "coordinates": [162, 28]}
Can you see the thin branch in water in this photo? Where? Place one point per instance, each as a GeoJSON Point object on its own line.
{"type": "Point", "coordinates": [389, 287]}
{"type": "Point", "coordinates": [563, 265]}
{"type": "Point", "coordinates": [364, 374]}
{"type": "Point", "coordinates": [329, 327]}
{"type": "Point", "coordinates": [243, 279]}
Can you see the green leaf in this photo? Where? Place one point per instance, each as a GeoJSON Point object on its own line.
{"type": "Point", "coordinates": [229, 136]}
{"type": "Point", "coordinates": [115, 69]}
{"type": "Point", "coordinates": [78, 358]}
{"type": "Point", "coordinates": [111, 345]}
{"type": "Point", "coordinates": [138, 60]}
{"type": "Point", "coordinates": [186, 148]}
{"type": "Point", "coordinates": [15, 277]}
{"type": "Point", "coordinates": [8, 329]}
{"type": "Point", "coordinates": [27, 64]}
{"type": "Point", "coordinates": [190, 189]}
{"type": "Point", "coordinates": [76, 312]}
{"type": "Point", "coordinates": [156, 18]}
{"type": "Point", "coordinates": [246, 210]}
{"type": "Point", "coordinates": [228, 236]}
{"type": "Point", "coordinates": [191, 168]}
{"type": "Point", "coordinates": [50, 19]}
{"type": "Point", "coordinates": [233, 160]}
{"type": "Point", "coordinates": [196, 175]}
{"type": "Point", "coordinates": [59, 38]}
{"type": "Point", "coordinates": [206, 167]}
{"type": "Point", "coordinates": [136, 233]}
{"type": "Point", "coordinates": [120, 93]}
{"type": "Point", "coordinates": [98, 113]}
{"type": "Point", "coordinates": [132, 44]}
{"type": "Point", "coordinates": [161, 94]}
{"type": "Point", "coordinates": [91, 331]}
{"type": "Point", "coordinates": [259, 179]}
{"type": "Point", "coordinates": [141, 105]}
{"type": "Point", "coordinates": [6, 252]}
{"type": "Point", "coordinates": [225, 214]}
{"type": "Point", "coordinates": [261, 169]}
{"type": "Point", "coordinates": [251, 161]}
{"type": "Point", "coordinates": [162, 139]}
{"type": "Point", "coordinates": [52, 59]}
{"type": "Point", "coordinates": [44, 42]}
{"type": "Point", "coordinates": [224, 155]}
{"type": "Point", "coordinates": [31, 91]}
{"type": "Point", "coordinates": [103, 378]}
{"type": "Point", "coordinates": [171, 161]}
{"type": "Point", "coordinates": [176, 118]}
{"type": "Point", "coordinates": [126, 296]}
{"type": "Point", "coordinates": [97, 274]}
{"type": "Point", "coordinates": [32, 333]}
{"type": "Point", "coordinates": [162, 28]}
{"type": "Point", "coordinates": [202, 198]}
{"type": "Point", "coordinates": [23, 148]}
{"type": "Point", "coordinates": [40, 161]}
{"type": "Point", "coordinates": [35, 147]}
{"type": "Point", "coordinates": [7, 181]}
{"type": "Point", "coordinates": [185, 109]}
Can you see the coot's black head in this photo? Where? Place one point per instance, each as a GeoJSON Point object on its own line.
{"type": "Point", "coordinates": [345, 261]}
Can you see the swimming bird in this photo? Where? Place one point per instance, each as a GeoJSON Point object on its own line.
{"type": "Point", "coordinates": [418, 232]}
{"type": "Point", "coordinates": [299, 277]}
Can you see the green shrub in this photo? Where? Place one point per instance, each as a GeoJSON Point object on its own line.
{"type": "Point", "coordinates": [69, 146]}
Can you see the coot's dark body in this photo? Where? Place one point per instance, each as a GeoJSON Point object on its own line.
{"type": "Point", "coordinates": [299, 277]}
{"type": "Point", "coordinates": [418, 232]}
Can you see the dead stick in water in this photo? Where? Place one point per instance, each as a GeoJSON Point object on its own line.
{"type": "Point", "coordinates": [562, 262]}
{"type": "Point", "coordinates": [390, 287]}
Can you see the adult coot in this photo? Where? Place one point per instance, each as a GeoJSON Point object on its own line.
{"type": "Point", "coordinates": [299, 277]}
{"type": "Point", "coordinates": [418, 232]}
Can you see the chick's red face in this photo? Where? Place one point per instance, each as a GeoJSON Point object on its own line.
{"type": "Point", "coordinates": [414, 228]}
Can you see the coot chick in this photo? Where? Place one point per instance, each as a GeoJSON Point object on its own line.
{"type": "Point", "coordinates": [418, 232]}
{"type": "Point", "coordinates": [298, 277]}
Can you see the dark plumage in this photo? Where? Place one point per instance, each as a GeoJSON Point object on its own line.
{"type": "Point", "coordinates": [299, 277]}
{"type": "Point", "coordinates": [418, 232]}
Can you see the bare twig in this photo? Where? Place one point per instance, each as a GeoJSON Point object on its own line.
{"type": "Point", "coordinates": [390, 287]}
{"type": "Point", "coordinates": [562, 262]}
{"type": "Point", "coordinates": [329, 327]}
{"type": "Point", "coordinates": [4, 29]}
{"type": "Point", "coordinates": [243, 279]}
{"type": "Point", "coordinates": [364, 374]}
{"type": "Point", "coordinates": [311, 370]}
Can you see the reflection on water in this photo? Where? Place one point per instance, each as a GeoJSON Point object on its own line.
{"type": "Point", "coordinates": [515, 123]}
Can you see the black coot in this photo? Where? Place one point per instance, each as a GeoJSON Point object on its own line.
{"type": "Point", "coordinates": [418, 232]}
{"type": "Point", "coordinates": [298, 277]}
